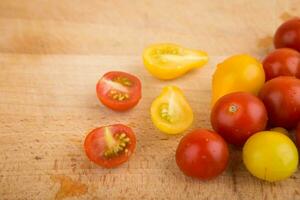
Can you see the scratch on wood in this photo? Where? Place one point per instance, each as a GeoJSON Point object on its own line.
{"type": "Point", "coordinates": [55, 165]}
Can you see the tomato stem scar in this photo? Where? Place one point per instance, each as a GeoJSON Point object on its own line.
{"type": "Point", "coordinates": [233, 108]}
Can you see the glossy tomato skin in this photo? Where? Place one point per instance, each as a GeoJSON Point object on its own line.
{"type": "Point", "coordinates": [237, 116]}
{"type": "Point", "coordinates": [282, 62]}
{"type": "Point", "coordinates": [235, 74]}
{"type": "Point", "coordinates": [298, 136]}
{"type": "Point", "coordinates": [202, 154]}
{"type": "Point", "coordinates": [95, 145]}
{"type": "Point", "coordinates": [134, 91]}
{"type": "Point", "coordinates": [281, 97]}
{"type": "Point", "coordinates": [288, 35]}
{"type": "Point", "coordinates": [270, 155]}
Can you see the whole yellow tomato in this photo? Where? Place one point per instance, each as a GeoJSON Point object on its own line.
{"type": "Point", "coordinates": [170, 111]}
{"type": "Point", "coordinates": [235, 74]}
{"type": "Point", "coordinates": [270, 155]}
{"type": "Point", "coordinates": [169, 61]}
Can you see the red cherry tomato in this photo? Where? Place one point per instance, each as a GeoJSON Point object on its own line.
{"type": "Point", "coordinates": [298, 136]}
{"type": "Point", "coordinates": [237, 116]}
{"type": "Point", "coordinates": [288, 35]}
{"type": "Point", "coordinates": [281, 97]}
{"type": "Point", "coordinates": [110, 146]}
{"type": "Point", "coordinates": [282, 62]}
{"type": "Point", "coordinates": [119, 90]}
{"type": "Point", "coordinates": [202, 154]}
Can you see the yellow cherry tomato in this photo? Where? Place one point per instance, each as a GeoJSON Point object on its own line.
{"type": "Point", "coordinates": [270, 155]}
{"type": "Point", "coordinates": [237, 73]}
{"type": "Point", "coordinates": [169, 61]}
{"type": "Point", "coordinates": [280, 130]}
{"type": "Point", "coordinates": [170, 111]}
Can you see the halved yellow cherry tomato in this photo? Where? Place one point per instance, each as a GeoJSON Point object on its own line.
{"type": "Point", "coordinates": [170, 111]}
{"type": "Point", "coordinates": [239, 73]}
{"type": "Point", "coordinates": [169, 61]}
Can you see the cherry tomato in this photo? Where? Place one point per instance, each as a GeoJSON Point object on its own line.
{"type": "Point", "coordinates": [237, 116]}
{"type": "Point", "coordinates": [280, 130]}
{"type": "Point", "coordinates": [282, 62]}
{"type": "Point", "coordinates": [110, 146]}
{"type": "Point", "coordinates": [119, 91]}
{"type": "Point", "coordinates": [288, 35]}
{"type": "Point", "coordinates": [238, 73]}
{"type": "Point", "coordinates": [202, 154]}
{"type": "Point", "coordinates": [170, 111]}
{"type": "Point", "coordinates": [298, 135]}
{"type": "Point", "coordinates": [270, 156]}
{"type": "Point", "coordinates": [169, 61]}
{"type": "Point", "coordinates": [281, 97]}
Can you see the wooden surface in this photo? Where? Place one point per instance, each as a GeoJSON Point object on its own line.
{"type": "Point", "coordinates": [53, 52]}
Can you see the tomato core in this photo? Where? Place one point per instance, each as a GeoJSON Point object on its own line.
{"type": "Point", "coordinates": [116, 144]}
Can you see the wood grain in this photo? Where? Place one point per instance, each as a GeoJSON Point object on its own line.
{"type": "Point", "coordinates": [53, 52]}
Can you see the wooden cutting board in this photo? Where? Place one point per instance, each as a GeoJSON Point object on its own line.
{"type": "Point", "coordinates": [53, 52]}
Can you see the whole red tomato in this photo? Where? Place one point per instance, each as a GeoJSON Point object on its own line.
{"type": "Point", "coordinates": [282, 62]}
{"type": "Point", "coordinates": [298, 136]}
{"type": "Point", "coordinates": [202, 154]}
{"type": "Point", "coordinates": [288, 35]}
{"type": "Point", "coordinates": [237, 116]}
{"type": "Point", "coordinates": [281, 97]}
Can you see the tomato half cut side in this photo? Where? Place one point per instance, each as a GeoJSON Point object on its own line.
{"type": "Point", "coordinates": [110, 146]}
{"type": "Point", "coordinates": [119, 91]}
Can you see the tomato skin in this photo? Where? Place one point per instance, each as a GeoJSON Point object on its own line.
{"type": "Point", "coordinates": [288, 35]}
{"type": "Point", "coordinates": [95, 145]}
{"type": "Point", "coordinates": [281, 97]}
{"type": "Point", "coordinates": [134, 91]}
{"type": "Point", "coordinates": [271, 156]}
{"type": "Point", "coordinates": [237, 116]}
{"type": "Point", "coordinates": [236, 74]}
{"type": "Point", "coordinates": [282, 62]}
{"type": "Point", "coordinates": [202, 154]}
{"type": "Point", "coordinates": [280, 130]}
{"type": "Point", "coordinates": [298, 136]}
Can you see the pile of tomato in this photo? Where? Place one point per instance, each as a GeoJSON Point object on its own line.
{"type": "Point", "coordinates": [255, 106]}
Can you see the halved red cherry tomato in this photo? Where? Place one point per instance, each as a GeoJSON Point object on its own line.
{"type": "Point", "coordinates": [202, 154]}
{"type": "Point", "coordinates": [282, 62]}
{"type": "Point", "coordinates": [288, 34]}
{"type": "Point", "coordinates": [119, 90]}
{"type": "Point", "coordinates": [237, 116]}
{"type": "Point", "coordinates": [110, 146]}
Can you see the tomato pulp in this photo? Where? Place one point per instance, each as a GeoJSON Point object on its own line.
{"type": "Point", "coordinates": [171, 112]}
{"type": "Point", "coordinates": [119, 91]}
{"type": "Point", "coordinates": [110, 146]}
